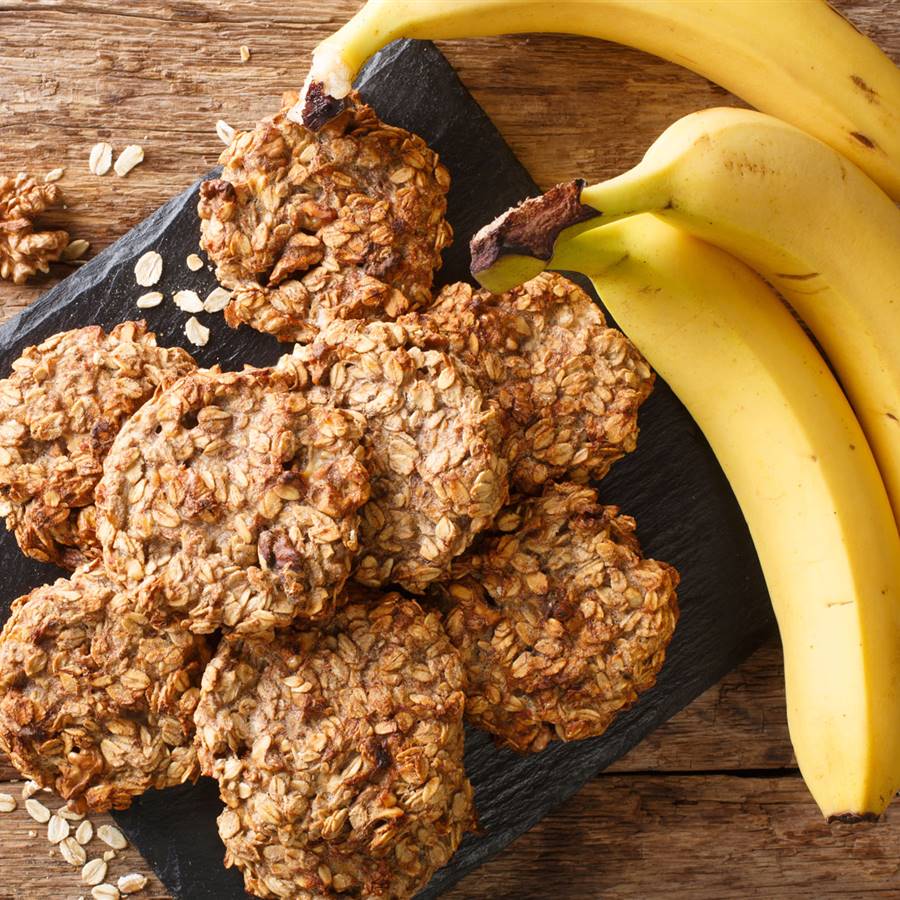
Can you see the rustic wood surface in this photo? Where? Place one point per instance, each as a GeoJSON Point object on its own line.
{"type": "Point", "coordinates": [711, 805]}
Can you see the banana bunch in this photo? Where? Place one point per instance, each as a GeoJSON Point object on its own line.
{"type": "Point", "coordinates": [816, 499]}
{"type": "Point", "coordinates": [803, 474]}
{"type": "Point", "coordinates": [671, 247]}
{"type": "Point", "coordinates": [796, 59]}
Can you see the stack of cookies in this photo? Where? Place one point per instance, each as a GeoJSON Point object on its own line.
{"type": "Point", "coordinates": [302, 580]}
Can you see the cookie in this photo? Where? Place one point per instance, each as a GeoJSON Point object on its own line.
{"type": "Point", "coordinates": [339, 754]}
{"type": "Point", "coordinates": [569, 386]}
{"type": "Point", "coordinates": [433, 447]}
{"type": "Point", "coordinates": [305, 227]}
{"type": "Point", "coordinates": [96, 702]}
{"type": "Point", "coordinates": [60, 409]}
{"type": "Point", "coordinates": [559, 620]}
{"type": "Point", "coordinates": [240, 494]}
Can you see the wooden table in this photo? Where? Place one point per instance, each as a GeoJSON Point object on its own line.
{"type": "Point", "coordinates": [711, 805]}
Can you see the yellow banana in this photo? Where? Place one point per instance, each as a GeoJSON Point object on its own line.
{"type": "Point", "coordinates": [796, 59]}
{"type": "Point", "coordinates": [795, 210]}
{"type": "Point", "coordinates": [804, 477]}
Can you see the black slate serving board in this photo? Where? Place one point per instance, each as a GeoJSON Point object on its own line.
{"type": "Point", "coordinates": [672, 484]}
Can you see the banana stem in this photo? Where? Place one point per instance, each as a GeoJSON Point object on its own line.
{"type": "Point", "coordinates": [642, 189]}
{"type": "Point", "coordinates": [520, 243]}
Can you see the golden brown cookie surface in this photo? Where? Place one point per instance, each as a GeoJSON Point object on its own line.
{"type": "Point", "coordinates": [60, 409]}
{"type": "Point", "coordinates": [569, 386]}
{"type": "Point", "coordinates": [339, 754]}
{"type": "Point", "coordinates": [96, 702]}
{"type": "Point", "coordinates": [433, 447]}
{"type": "Point", "coordinates": [240, 495]}
{"type": "Point", "coordinates": [305, 227]}
{"type": "Point", "coordinates": [559, 621]}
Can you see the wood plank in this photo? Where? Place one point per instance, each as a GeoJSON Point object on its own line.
{"type": "Point", "coordinates": [161, 77]}
{"type": "Point", "coordinates": [692, 838]}
{"type": "Point", "coordinates": [32, 869]}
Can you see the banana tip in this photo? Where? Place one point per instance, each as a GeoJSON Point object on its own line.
{"type": "Point", "coordinates": [316, 107]}
{"type": "Point", "coordinates": [851, 818]}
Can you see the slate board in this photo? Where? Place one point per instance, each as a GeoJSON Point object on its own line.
{"type": "Point", "coordinates": [672, 484]}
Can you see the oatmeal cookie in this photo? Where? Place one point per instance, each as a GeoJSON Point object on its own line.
{"type": "Point", "coordinates": [569, 386]}
{"type": "Point", "coordinates": [434, 447]}
{"type": "Point", "coordinates": [240, 494]}
{"type": "Point", "coordinates": [60, 409]}
{"type": "Point", "coordinates": [560, 622]}
{"type": "Point", "coordinates": [339, 754]}
{"type": "Point", "coordinates": [95, 702]}
{"type": "Point", "coordinates": [305, 227]}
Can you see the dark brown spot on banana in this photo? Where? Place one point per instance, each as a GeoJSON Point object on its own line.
{"type": "Point", "coordinates": [865, 141]}
{"type": "Point", "coordinates": [870, 93]}
{"type": "Point", "coordinates": [852, 818]}
{"type": "Point", "coordinates": [805, 277]}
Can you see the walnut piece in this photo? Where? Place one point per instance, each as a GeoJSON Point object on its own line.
{"type": "Point", "coordinates": [24, 251]}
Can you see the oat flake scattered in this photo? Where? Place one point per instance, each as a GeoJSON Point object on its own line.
{"type": "Point", "coordinates": [188, 301]}
{"type": "Point", "coordinates": [7, 803]}
{"type": "Point", "coordinates": [94, 871]}
{"type": "Point", "coordinates": [245, 53]}
{"type": "Point", "coordinates": [70, 815]}
{"type": "Point", "coordinates": [216, 300]}
{"type": "Point", "coordinates": [57, 829]}
{"type": "Point", "coordinates": [194, 263]}
{"type": "Point", "coordinates": [54, 174]}
{"type": "Point", "coordinates": [132, 883]}
{"type": "Point", "coordinates": [75, 249]}
{"type": "Point", "coordinates": [112, 837]}
{"type": "Point", "coordinates": [101, 158]}
{"type": "Point", "coordinates": [196, 333]}
{"type": "Point", "coordinates": [224, 131]}
{"type": "Point", "coordinates": [150, 299]}
{"type": "Point", "coordinates": [84, 833]}
{"type": "Point", "coordinates": [131, 156]}
{"type": "Point", "coordinates": [105, 892]}
{"type": "Point", "coordinates": [108, 855]}
{"type": "Point", "coordinates": [29, 789]}
{"type": "Point", "coordinates": [148, 269]}
{"type": "Point", "coordinates": [37, 810]}
{"type": "Point", "coordinates": [72, 852]}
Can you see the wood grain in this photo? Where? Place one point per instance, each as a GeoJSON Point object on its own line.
{"type": "Point", "coordinates": [692, 838]}
{"type": "Point", "coordinates": [710, 805]}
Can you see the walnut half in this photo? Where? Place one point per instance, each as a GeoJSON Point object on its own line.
{"type": "Point", "coordinates": [24, 251]}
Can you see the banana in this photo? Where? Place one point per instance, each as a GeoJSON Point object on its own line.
{"type": "Point", "coordinates": [802, 472]}
{"type": "Point", "coordinates": [796, 59]}
{"type": "Point", "coordinates": [814, 225]}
